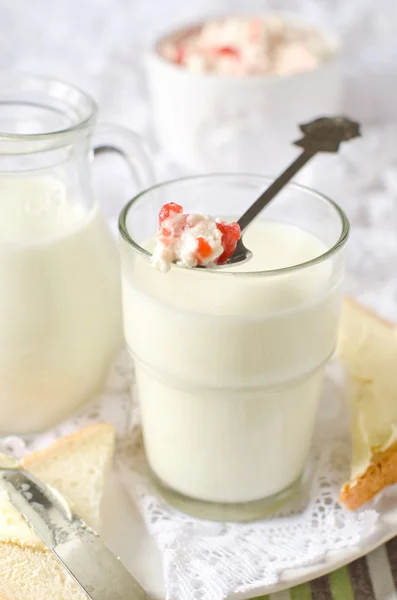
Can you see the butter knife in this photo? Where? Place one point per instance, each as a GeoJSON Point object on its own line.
{"type": "Point", "coordinates": [99, 573]}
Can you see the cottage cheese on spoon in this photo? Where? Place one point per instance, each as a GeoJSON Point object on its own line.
{"type": "Point", "coordinates": [190, 240]}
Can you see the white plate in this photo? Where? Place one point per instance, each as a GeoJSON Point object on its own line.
{"type": "Point", "coordinates": [125, 533]}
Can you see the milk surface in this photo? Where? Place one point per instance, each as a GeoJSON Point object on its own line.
{"type": "Point", "coordinates": [59, 303]}
{"type": "Point", "coordinates": [230, 367]}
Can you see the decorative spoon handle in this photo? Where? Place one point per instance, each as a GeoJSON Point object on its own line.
{"type": "Point", "coordinates": [274, 189]}
{"type": "Point", "coordinates": [322, 135]}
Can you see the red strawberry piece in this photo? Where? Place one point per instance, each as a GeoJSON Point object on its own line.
{"type": "Point", "coordinates": [227, 51]}
{"type": "Point", "coordinates": [169, 210]}
{"type": "Point", "coordinates": [179, 54]}
{"type": "Point", "coordinates": [231, 234]}
{"type": "Point", "coordinates": [204, 250]}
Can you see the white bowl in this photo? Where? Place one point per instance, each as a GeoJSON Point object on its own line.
{"type": "Point", "coordinates": [210, 122]}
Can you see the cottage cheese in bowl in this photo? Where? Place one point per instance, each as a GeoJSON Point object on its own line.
{"type": "Point", "coordinates": [247, 46]}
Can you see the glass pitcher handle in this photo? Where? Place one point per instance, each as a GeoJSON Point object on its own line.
{"type": "Point", "coordinates": [130, 146]}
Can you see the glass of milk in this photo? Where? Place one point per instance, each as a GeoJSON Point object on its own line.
{"type": "Point", "coordinates": [60, 310]}
{"type": "Point", "coordinates": [230, 362]}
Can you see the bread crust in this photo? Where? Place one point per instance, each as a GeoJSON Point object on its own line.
{"type": "Point", "coordinates": [381, 472]}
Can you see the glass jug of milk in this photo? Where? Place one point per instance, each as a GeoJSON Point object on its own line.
{"type": "Point", "coordinates": [60, 315]}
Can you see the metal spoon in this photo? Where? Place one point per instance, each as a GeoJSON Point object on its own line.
{"type": "Point", "coordinates": [322, 135]}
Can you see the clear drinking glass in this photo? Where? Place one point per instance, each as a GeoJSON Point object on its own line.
{"type": "Point", "coordinates": [60, 310]}
{"type": "Point", "coordinates": [230, 364]}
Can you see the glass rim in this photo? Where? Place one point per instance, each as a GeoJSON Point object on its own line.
{"type": "Point", "coordinates": [344, 222]}
{"type": "Point", "coordinates": [81, 123]}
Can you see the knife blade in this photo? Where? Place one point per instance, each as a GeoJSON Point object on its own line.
{"type": "Point", "coordinates": [99, 573]}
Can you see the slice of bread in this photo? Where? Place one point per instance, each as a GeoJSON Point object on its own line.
{"type": "Point", "coordinates": [367, 347]}
{"type": "Point", "coordinates": [77, 465]}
